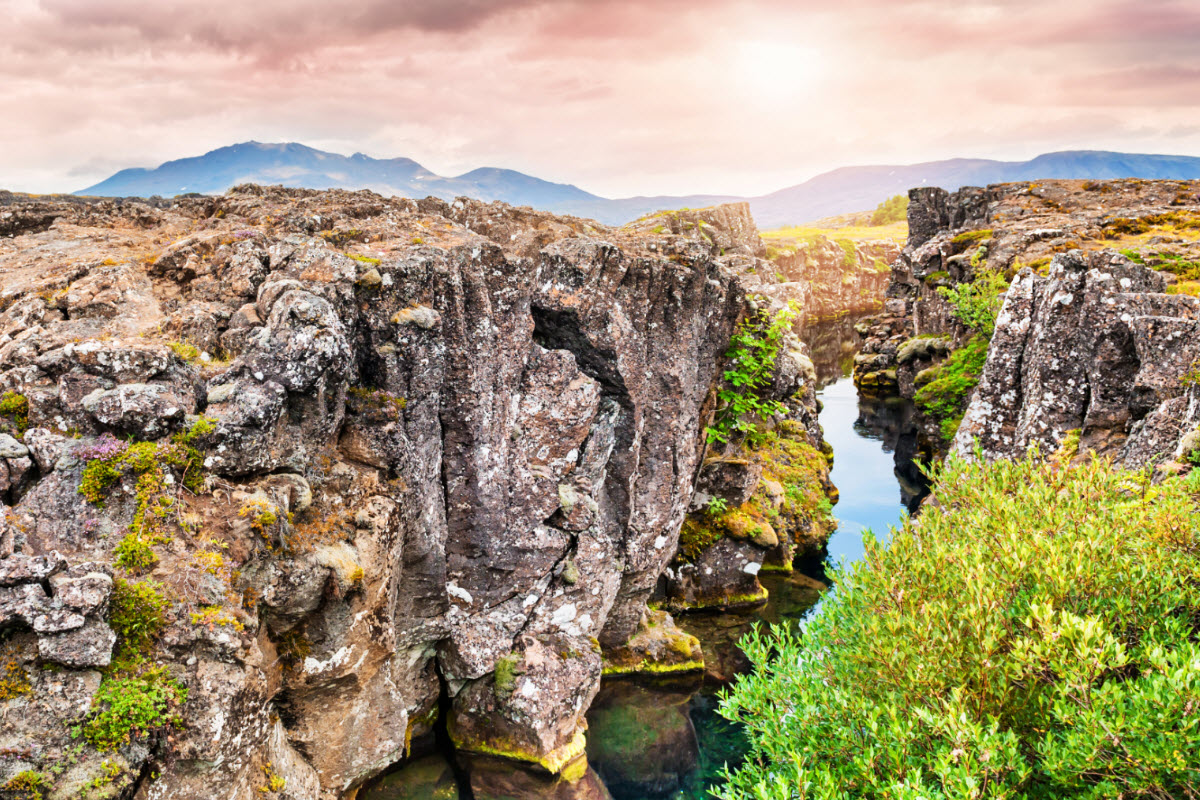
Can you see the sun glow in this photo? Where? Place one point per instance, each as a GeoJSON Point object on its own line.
{"type": "Point", "coordinates": [776, 70]}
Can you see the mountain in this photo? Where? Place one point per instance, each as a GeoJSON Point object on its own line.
{"type": "Point", "coordinates": [836, 192]}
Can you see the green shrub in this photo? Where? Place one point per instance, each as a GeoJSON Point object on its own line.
{"type": "Point", "coordinates": [976, 304]}
{"type": "Point", "coordinates": [1034, 636]}
{"type": "Point", "coordinates": [137, 614]}
{"type": "Point", "coordinates": [132, 707]}
{"type": "Point", "coordinates": [15, 408]}
{"type": "Point", "coordinates": [894, 209]}
{"type": "Point", "coordinates": [948, 386]}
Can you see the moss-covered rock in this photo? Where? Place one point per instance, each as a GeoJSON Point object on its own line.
{"type": "Point", "coordinates": [658, 647]}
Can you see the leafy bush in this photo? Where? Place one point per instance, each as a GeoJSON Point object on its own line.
{"type": "Point", "coordinates": [894, 209]}
{"type": "Point", "coordinates": [944, 397]}
{"type": "Point", "coordinates": [752, 353]}
{"type": "Point", "coordinates": [977, 304]}
{"type": "Point", "coordinates": [1034, 636]}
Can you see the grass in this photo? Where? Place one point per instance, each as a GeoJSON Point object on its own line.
{"type": "Point", "coordinates": [793, 236]}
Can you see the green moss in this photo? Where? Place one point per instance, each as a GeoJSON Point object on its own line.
{"type": "Point", "coordinates": [936, 278]}
{"type": "Point", "coordinates": [28, 785]}
{"type": "Point", "coordinates": [722, 602]}
{"type": "Point", "coordinates": [552, 762]}
{"type": "Point", "coordinates": [374, 262]}
{"type": "Point", "coordinates": [649, 667]}
{"type": "Point", "coordinates": [971, 238]}
{"type": "Point", "coordinates": [14, 408]}
{"type": "Point", "coordinates": [948, 386]}
{"type": "Point", "coordinates": [504, 676]}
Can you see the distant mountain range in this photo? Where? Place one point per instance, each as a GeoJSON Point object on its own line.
{"type": "Point", "coordinates": [837, 192]}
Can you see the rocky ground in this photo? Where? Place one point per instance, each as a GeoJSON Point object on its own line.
{"type": "Point", "coordinates": [294, 479]}
{"type": "Point", "coordinates": [1097, 342]}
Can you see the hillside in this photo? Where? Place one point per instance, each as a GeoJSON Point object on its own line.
{"type": "Point", "coordinates": [839, 191]}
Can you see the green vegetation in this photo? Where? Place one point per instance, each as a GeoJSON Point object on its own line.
{"type": "Point", "coordinates": [948, 386]}
{"type": "Point", "coordinates": [1132, 226]}
{"type": "Point", "coordinates": [14, 409]}
{"type": "Point", "coordinates": [969, 238]}
{"type": "Point", "coordinates": [14, 681]}
{"type": "Point", "coordinates": [1035, 636]}
{"type": "Point", "coordinates": [187, 352]}
{"type": "Point", "coordinates": [890, 211]}
{"type": "Point", "coordinates": [131, 707]}
{"type": "Point", "coordinates": [109, 460]}
{"type": "Point", "coordinates": [804, 513]}
{"type": "Point", "coordinates": [976, 304]}
{"type": "Point", "coordinates": [504, 678]}
{"type": "Point", "coordinates": [849, 252]}
{"type": "Point", "coordinates": [27, 785]}
{"type": "Point", "coordinates": [752, 353]}
{"type": "Point", "coordinates": [137, 614]}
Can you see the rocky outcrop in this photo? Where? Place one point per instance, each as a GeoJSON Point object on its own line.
{"type": "Point", "coordinates": [839, 277]}
{"type": "Point", "coordinates": [1096, 330]}
{"type": "Point", "coordinates": [386, 465]}
{"type": "Point", "coordinates": [1095, 348]}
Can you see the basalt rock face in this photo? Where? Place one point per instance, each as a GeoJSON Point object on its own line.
{"type": "Point", "coordinates": [1094, 347]}
{"type": "Point", "coordinates": [384, 453]}
{"type": "Point", "coordinates": [839, 278]}
{"type": "Point", "coordinates": [1097, 332]}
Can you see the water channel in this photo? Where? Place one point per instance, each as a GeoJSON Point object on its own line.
{"type": "Point", "coordinates": [664, 740]}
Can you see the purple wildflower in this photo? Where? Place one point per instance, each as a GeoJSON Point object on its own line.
{"type": "Point", "coordinates": [105, 447]}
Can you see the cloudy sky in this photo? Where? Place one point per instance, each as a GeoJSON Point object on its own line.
{"type": "Point", "coordinates": [619, 97]}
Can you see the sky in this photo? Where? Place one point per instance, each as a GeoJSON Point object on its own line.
{"type": "Point", "coordinates": [619, 97]}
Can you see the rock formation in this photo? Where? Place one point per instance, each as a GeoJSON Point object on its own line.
{"type": "Point", "coordinates": [303, 475]}
{"type": "Point", "coordinates": [1097, 337]}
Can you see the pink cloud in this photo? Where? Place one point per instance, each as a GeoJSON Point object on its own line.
{"type": "Point", "coordinates": [621, 97]}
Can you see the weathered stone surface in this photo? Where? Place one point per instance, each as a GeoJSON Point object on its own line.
{"type": "Point", "coordinates": [487, 453]}
{"type": "Point", "coordinates": [1094, 346]}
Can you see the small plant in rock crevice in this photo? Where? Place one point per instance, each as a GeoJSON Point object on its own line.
{"type": "Point", "coordinates": [14, 408]}
{"type": "Point", "coordinates": [754, 349]}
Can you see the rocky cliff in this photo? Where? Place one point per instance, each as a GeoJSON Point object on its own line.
{"type": "Point", "coordinates": [293, 478]}
{"type": "Point", "coordinates": [1097, 336]}
{"type": "Point", "coordinates": [839, 276]}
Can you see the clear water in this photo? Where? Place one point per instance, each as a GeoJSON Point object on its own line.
{"type": "Point", "coordinates": [875, 493]}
